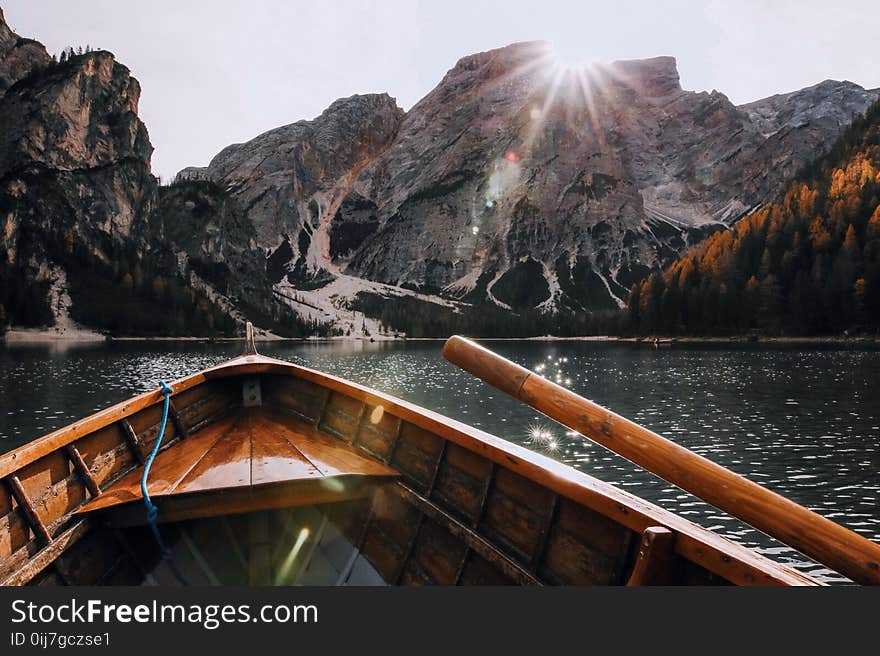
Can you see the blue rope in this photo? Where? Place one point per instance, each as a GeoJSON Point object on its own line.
{"type": "Point", "coordinates": [152, 510]}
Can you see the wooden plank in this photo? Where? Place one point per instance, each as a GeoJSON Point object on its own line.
{"type": "Point", "coordinates": [207, 404]}
{"type": "Point", "coordinates": [460, 483]}
{"type": "Point", "coordinates": [389, 533]}
{"type": "Point", "coordinates": [584, 547]}
{"type": "Point", "coordinates": [484, 494]}
{"type": "Point", "coordinates": [322, 408]}
{"type": "Point", "coordinates": [106, 453]}
{"type": "Point", "coordinates": [416, 456]}
{"type": "Point", "coordinates": [478, 571]}
{"type": "Point", "coordinates": [350, 518]}
{"type": "Point", "coordinates": [226, 463]}
{"type": "Point", "coordinates": [386, 556]}
{"type": "Point", "coordinates": [437, 552]}
{"type": "Point", "coordinates": [134, 444]}
{"type": "Point", "coordinates": [395, 440]}
{"type": "Point", "coordinates": [146, 425]}
{"type": "Point", "coordinates": [342, 416]}
{"type": "Point", "coordinates": [570, 561]}
{"type": "Point", "coordinates": [48, 554]}
{"type": "Point", "coordinates": [397, 523]}
{"type": "Point", "coordinates": [27, 508]}
{"type": "Point", "coordinates": [407, 553]}
{"type": "Point", "coordinates": [52, 486]}
{"type": "Point", "coordinates": [474, 541]}
{"type": "Point", "coordinates": [331, 456]}
{"type": "Point", "coordinates": [296, 396]}
{"type": "Point", "coordinates": [515, 513]}
{"type": "Point", "coordinates": [20, 557]}
{"type": "Point", "coordinates": [80, 466]}
{"type": "Point", "coordinates": [15, 535]}
{"type": "Point", "coordinates": [179, 426]}
{"type": "Point", "coordinates": [233, 501]}
{"type": "Point", "coordinates": [357, 543]}
{"type": "Point", "coordinates": [207, 420]}
{"type": "Point", "coordinates": [378, 432]}
{"type": "Point", "coordinates": [274, 458]}
{"type": "Point", "coordinates": [169, 468]}
{"type": "Point", "coordinates": [655, 560]}
{"type": "Point", "coordinates": [433, 480]}
{"type": "Point", "coordinates": [544, 533]}
{"type": "Point", "coordinates": [593, 529]}
{"type": "Point", "coordinates": [461, 565]}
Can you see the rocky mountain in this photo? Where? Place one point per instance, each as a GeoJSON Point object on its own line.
{"type": "Point", "coordinates": [292, 180]}
{"type": "Point", "coordinates": [807, 263]}
{"type": "Point", "coordinates": [18, 56]}
{"type": "Point", "coordinates": [518, 190]}
{"type": "Point", "coordinates": [77, 200]}
{"type": "Point", "coordinates": [517, 183]}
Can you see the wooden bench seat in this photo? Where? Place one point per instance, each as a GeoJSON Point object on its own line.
{"type": "Point", "coordinates": [257, 459]}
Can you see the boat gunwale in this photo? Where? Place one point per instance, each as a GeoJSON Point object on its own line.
{"type": "Point", "coordinates": [694, 543]}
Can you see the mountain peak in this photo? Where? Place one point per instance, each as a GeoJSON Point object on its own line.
{"type": "Point", "coordinates": [539, 60]}
{"type": "Point", "coordinates": [18, 56]}
{"type": "Point", "coordinates": [367, 102]}
{"type": "Point", "coordinates": [512, 53]}
{"type": "Point", "coordinates": [653, 77]}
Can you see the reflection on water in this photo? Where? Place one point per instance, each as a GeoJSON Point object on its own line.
{"type": "Point", "coordinates": [805, 423]}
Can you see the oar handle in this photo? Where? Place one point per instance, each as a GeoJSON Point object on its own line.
{"type": "Point", "coordinates": [813, 535]}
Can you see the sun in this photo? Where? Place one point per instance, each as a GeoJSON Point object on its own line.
{"type": "Point", "coordinates": [567, 58]}
{"type": "Point", "coordinates": [569, 86]}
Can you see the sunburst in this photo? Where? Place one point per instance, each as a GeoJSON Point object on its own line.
{"type": "Point", "coordinates": [553, 85]}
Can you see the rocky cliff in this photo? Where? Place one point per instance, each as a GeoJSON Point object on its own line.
{"type": "Point", "coordinates": [517, 182]}
{"type": "Point", "coordinates": [77, 200]}
{"type": "Point", "coordinates": [18, 56]}
{"type": "Point", "coordinates": [527, 184]}
{"type": "Point", "coordinates": [292, 180]}
{"type": "Point", "coordinates": [518, 187]}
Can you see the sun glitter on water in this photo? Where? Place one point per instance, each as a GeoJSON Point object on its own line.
{"type": "Point", "coordinates": [542, 438]}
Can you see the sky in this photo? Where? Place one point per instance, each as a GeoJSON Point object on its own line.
{"type": "Point", "coordinates": [215, 72]}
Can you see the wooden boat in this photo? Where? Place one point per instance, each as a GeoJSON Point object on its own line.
{"type": "Point", "coordinates": [271, 473]}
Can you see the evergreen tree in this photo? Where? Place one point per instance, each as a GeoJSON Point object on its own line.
{"type": "Point", "coordinates": [808, 263]}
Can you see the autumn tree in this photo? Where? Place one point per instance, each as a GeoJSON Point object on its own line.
{"type": "Point", "coordinates": [808, 263]}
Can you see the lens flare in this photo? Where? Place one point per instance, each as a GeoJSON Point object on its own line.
{"type": "Point", "coordinates": [287, 566]}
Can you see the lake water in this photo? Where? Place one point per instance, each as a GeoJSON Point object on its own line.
{"type": "Point", "coordinates": [803, 422]}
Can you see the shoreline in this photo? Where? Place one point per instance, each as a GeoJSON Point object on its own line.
{"type": "Point", "coordinates": [50, 336]}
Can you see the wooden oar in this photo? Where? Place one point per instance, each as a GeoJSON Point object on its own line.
{"type": "Point", "coordinates": [813, 535]}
